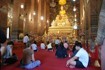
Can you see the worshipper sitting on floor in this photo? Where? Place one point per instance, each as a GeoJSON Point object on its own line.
{"type": "Point", "coordinates": [2, 44]}
{"type": "Point", "coordinates": [2, 36]}
{"type": "Point", "coordinates": [2, 51]}
{"type": "Point", "coordinates": [57, 42]}
{"type": "Point", "coordinates": [61, 51]}
{"type": "Point", "coordinates": [2, 41]}
{"type": "Point", "coordinates": [34, 46]}
{"type": "Point", "coordinates": [8, 57]}
{"type": "Point", "coordinates": [66, 45]}
{"type": "Point", "coordinates": [74, 51]}
{"type": "Point", "coordinates": [28, 61]}
{"type": "Point", "coordinates": [49, 46]}
{"type": "Point", "coordinates": [26, 39]}
{"type": "Point", "coordinates": [92, 44]}
{"type": "Point", "coordinates": [80, 60]}
{"type": "Point", "coordinates": [42, 45]}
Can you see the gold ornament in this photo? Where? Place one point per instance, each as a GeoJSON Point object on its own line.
{"type": "Point", "coordinates": [62, 12]}
{"type": "Point", "coordinates": [62, 2]}
{"type": "Point", "coordinates": [21, 35]}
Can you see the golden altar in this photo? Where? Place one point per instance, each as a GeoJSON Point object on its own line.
{"type": "Point", "coordinates": [61, 27]}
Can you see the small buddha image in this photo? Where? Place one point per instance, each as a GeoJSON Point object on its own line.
{"type": "Point", "coordinates": [62, 11]}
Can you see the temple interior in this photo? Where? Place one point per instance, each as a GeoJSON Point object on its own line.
{"type": "Point", "coordinates": [46, 20]}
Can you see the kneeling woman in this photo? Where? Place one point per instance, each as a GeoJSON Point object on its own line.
{"type": "Point", "coordinates": [28, 60]}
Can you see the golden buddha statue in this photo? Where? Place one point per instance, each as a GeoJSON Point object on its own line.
{"type": "Point", "coordinates": [61, 19]}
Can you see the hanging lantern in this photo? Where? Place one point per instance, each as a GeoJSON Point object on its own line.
{"type": "Point", "coordinates": [62, 2]}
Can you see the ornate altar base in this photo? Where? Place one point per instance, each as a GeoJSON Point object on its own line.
{"type": "Point", "coordinates": [62, 31]}
{"type": "Point", "coordinates": [62, 28]}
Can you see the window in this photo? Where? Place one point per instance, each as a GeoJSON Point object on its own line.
{"type": "Point", "coordinates": [8, 31]}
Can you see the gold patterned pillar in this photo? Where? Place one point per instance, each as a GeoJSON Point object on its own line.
{"type": "Point", "coordinates": [43, 24]}
{"type": "Point", "coordinates": [3, 14]}
{"type": "Point", "coordinates": [31, 22]}
{"type": "Point", "coordinates": [47, 15]}
{"type": "Point", "coordinates": [42, 16]}
{"type": "Point", "coordinates": [82, 21]}
{"type": "Point", "coordinates": [36, 17]}
{"type": "Point", "coordinates": [39, 15]}
{"type": "Point", "coordinates": [16, 7]}
{"type": "Point", "coordinates": [26, 23]}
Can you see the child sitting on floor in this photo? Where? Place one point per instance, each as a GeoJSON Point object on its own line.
{"type": "Point", "coordinates": [34, 46]}
{"type": "Point", "coordinates": [49, 46]}
{"type": "Point", "coordinates": [42, 45]}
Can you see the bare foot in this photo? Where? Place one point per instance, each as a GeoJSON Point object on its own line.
{"type": "Point", "coordinates": [72, 66]}
{"type": "Point", "coordinates": [67, 65]}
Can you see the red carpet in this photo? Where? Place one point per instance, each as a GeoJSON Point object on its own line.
{"type": "Point", "coordinates": [48, 62]}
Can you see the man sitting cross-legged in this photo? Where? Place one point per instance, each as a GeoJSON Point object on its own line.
{"type": "Point", "coordinates": [28, 61]}
{"type": "Point", "coordinates": [80, 60]}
